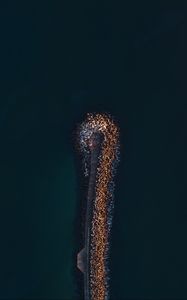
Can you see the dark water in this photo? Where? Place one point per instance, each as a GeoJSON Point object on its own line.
{"type": "Point", "coordinates": [59, 61]}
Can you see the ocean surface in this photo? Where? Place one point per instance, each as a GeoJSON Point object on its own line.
{"type": "Point", "coordinates": [60, 60]}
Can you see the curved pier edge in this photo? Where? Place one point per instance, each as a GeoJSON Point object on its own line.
{"type": "Point", "coordinates": [81, 260]}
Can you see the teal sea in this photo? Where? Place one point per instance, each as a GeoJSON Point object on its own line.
{"type": "Point", "coordinates": [60, 60]}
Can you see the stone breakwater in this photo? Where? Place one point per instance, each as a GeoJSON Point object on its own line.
{"type": "Point", "coordinates": [98, 139]}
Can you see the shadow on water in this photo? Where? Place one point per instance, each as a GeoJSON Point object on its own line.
{"type": "Point", "coordinates": [78, 226]}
